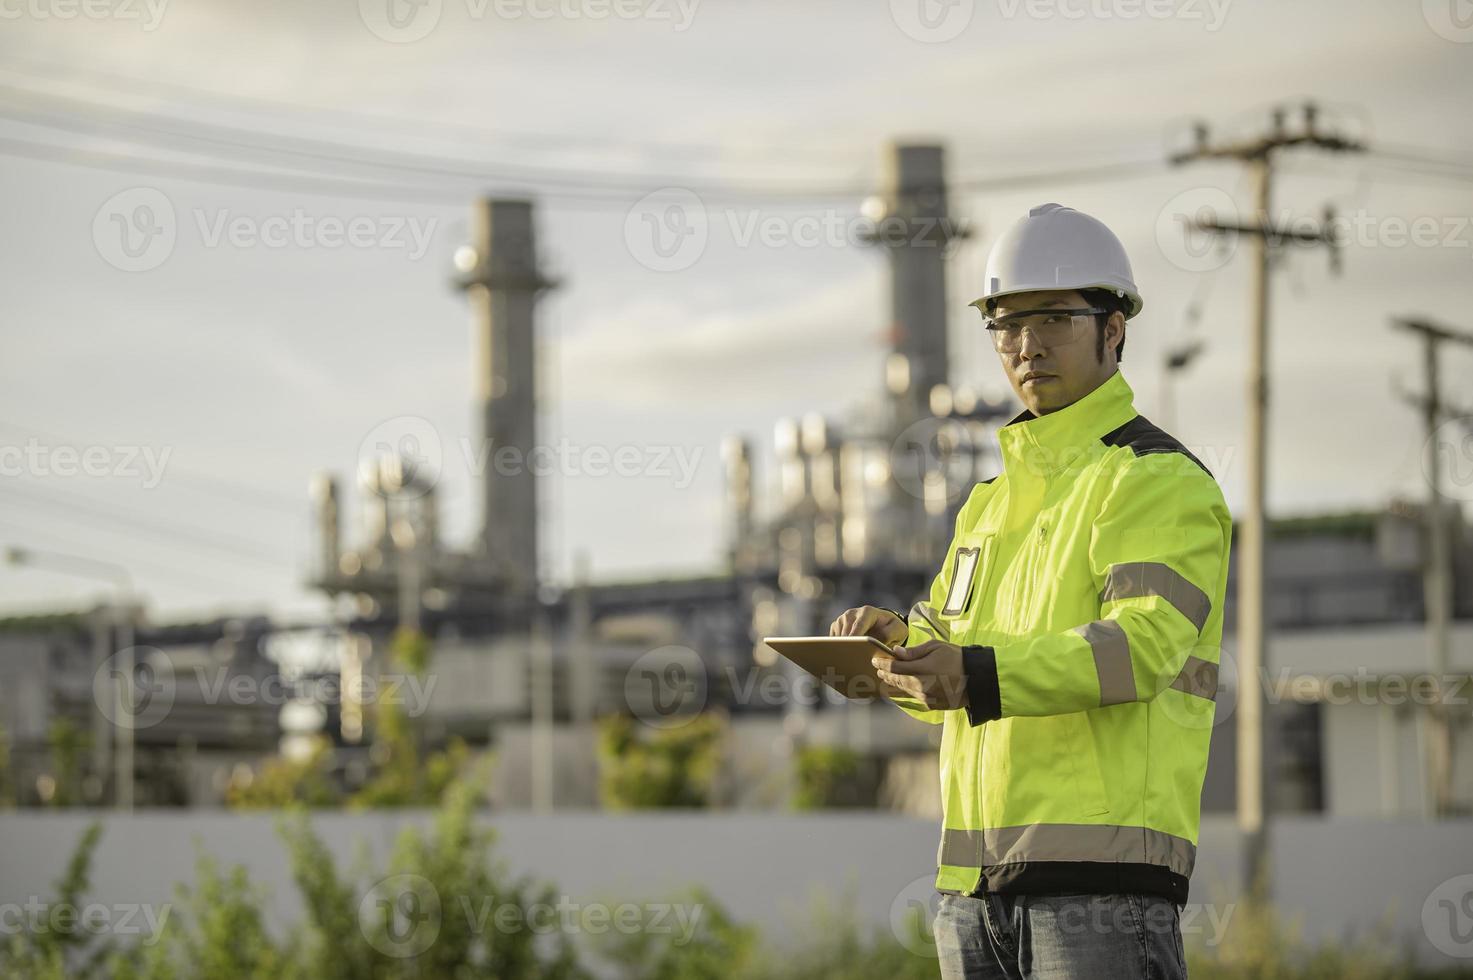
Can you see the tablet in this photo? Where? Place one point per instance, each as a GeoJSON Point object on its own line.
{"type": "Point", "coordinates": [841, 662]}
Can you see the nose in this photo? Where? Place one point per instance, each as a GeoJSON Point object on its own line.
{"type": "Point", "coordinates": [1031, 347]}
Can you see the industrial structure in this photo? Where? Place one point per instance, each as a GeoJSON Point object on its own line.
{"type": "Point", "coordinates": [862, 512]}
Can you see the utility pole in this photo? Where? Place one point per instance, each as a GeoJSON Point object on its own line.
{"type": "Point", "coordinates": [1258, 155]}
{"type": "Point", "coordinates": [121, 613]}
{"type": "Point", "coordinates": [1437, 565]}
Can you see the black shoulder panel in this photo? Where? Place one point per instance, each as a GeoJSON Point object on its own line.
{"type": "Point", "coordinates": [1143, 438]}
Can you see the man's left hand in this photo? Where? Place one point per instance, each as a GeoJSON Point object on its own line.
{"type": "Point", "coordinates": [930, 672]}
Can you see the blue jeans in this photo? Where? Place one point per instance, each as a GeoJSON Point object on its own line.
{"type": "Point", "coordinates": [1059, 937]}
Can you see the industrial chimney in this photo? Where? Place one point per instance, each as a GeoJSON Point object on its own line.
{"type": "Point", "coordinates": [499, 273]}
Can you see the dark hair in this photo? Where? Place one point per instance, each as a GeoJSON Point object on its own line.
{"type": "Point", "coordinates": [1110, 302]}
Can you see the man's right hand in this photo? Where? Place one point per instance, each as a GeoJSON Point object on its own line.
{"type": "Point", "coordinates": [882, 624]}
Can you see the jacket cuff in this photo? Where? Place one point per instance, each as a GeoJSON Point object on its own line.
{"type": "Point", "coordinates": [984, 699]}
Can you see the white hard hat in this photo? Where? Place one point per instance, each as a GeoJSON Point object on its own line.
{"type": "Point", "coordinates": [1055, 247]}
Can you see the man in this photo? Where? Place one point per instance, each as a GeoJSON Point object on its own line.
{"type": "Point", "coordinates": [1069, 645]}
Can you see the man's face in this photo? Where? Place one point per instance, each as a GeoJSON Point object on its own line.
{"type": "Point", "coordinates": [1047, 379]}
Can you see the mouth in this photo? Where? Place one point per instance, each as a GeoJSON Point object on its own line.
{"type": "Point", "coordinates": [1035, 378]}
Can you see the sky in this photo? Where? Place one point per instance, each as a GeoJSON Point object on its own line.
{"type": "Point", "coordinates": [194, 326]}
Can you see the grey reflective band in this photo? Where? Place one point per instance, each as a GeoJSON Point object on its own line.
{"type": "Point", "coordinates": [923, 617]}
{"type": "Point", "coordinates": [1066, 842]}
{"type": "Point", "coordinates": [1137, 579]}
{"type": "Point", "coordinates": [1198, 677]}
{"type": "Point", "coordinates": [1111, 649]}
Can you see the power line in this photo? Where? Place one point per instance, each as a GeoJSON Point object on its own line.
{"type": "Point", "coordinates": [176, 532]}
{"type": "Point", "coordinates": [236, 102]}
{"type": "Point", "coordinates": [222, 488]}
{"type": "Point", "coordinates": [175, 573]}
{"type": "Point", "coordinates": [76, 115]}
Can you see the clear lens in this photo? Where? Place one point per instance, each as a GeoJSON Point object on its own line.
{"type": "Point", "coordinates": [1048, 329]}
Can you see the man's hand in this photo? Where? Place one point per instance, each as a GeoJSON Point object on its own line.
{"type": "Point", "coordinates": [882, 624]}
{"type": "Point", "coordinates": [930, 672]}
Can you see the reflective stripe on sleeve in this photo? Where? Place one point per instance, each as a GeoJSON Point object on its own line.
{"type": "Point", "coordinates": [1198, 677]}
{"type": "Point", "coordinates": [1111, 649]}
{"type": "Point", "coordinates": [1137, 579]}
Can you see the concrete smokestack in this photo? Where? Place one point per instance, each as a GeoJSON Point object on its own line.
{"type": "Point", "coordinates": [500, 276]}
{"type": "Point", "coordinates": [914, 227]}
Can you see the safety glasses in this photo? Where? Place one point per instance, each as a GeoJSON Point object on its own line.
{"type": "Point", "coordinates": [1050, 328]}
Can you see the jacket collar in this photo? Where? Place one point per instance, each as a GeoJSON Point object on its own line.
{"type": "Point", "coordinates": [1041, 445]}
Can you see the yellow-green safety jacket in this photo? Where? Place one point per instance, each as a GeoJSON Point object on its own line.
{"type": "Point", "coordinates": [1085, 585]}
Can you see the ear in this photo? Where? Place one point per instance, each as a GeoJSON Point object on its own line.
{"type": "Point", "coordinates": [1114, 330]}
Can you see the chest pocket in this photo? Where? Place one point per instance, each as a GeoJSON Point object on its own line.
{"type": "Point", "coordinates": [972, 562]}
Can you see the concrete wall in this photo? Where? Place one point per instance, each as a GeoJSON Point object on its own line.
{"type": "Point", "coordinates": [1338, 878]}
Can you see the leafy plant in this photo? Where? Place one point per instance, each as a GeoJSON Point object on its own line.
{"type": "Point", "coordinates": [643, 768]}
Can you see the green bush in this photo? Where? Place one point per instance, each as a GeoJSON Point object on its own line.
{"type": "Point", "coordinates": [349, 929]}
{"type": "Point", "coordinates": [642, 768]}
